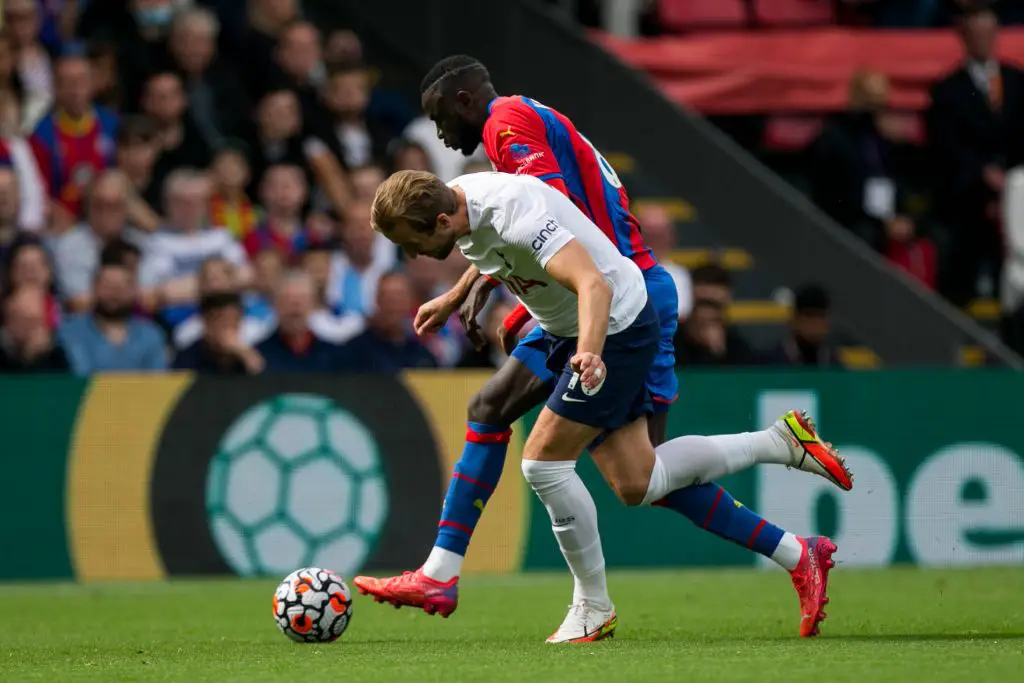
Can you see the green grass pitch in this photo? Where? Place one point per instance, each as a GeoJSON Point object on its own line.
{"type": "Point", "coordinates": [898, 626]}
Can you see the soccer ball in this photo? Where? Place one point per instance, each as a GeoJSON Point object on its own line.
{"type": "Point", "coordinates": [312, 605]}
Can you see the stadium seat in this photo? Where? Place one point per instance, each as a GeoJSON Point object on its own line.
{"type": "Point", "coordinates": [791, 133]}
{"type": "Point", "coordinates": [687, 15]}
{"type": "Point", "coordinates": [793, 12]}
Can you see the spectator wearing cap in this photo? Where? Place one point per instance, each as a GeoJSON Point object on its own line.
{"type": "Point", "coordinates": [26, 341]}
{"type": "Point", "coordinates": [293, 346]}
{"type": "Point", "coordinates": [28, 265]}
{"type": "Point", "coordinates": [217, 101]}
{"type": "Point", "coordinates": [136, 155]}
{"type": "Point", "coordinates": [230, 205]}
{"type": "Point", "coordinates": [281, 138]}
{"type": "Point", "coordinates": [75, 141]}
{"type": "Point", "coordinates": [173, 256]}
{"type": "Point", "coordinates": [389, 345]}
{"type": "Point", "coordinates": [76, 253]}
{"type": "Point", "coordinates": [222, 349]}
{"type": "Point", "coordinates": [179, 141]}
{"type": "Point", "coordinates": [111, 338]}
{"type": "Point", "coordinates": [23, 22]}
{"type": "Point", "coordinates": [283, 193]}
{"type": "Point", "coordinates": [807, 340]}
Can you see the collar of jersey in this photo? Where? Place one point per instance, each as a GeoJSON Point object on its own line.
{"type": "Point", "coordinates": [71, 126]}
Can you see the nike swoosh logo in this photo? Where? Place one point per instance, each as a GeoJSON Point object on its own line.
{"type": "Point", "coordinates": [569, 399]}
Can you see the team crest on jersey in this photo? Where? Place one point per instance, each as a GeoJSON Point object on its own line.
{"type": "Point", "coordinates": [518, 151]}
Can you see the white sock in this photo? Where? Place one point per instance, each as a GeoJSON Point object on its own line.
{"type": "Point", "coordinates": [443, 565]}
{"type": "Point", "coordinates": [574, 521]}
{"type": "Point", "coordinates": [692, 460]}
{"type": "Point", "coordinates": [789, 552]}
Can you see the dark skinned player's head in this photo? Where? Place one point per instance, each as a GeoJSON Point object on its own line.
{"type": "Point", "coordinates": [455, 94]}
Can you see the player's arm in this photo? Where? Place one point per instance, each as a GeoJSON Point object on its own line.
{"type": "Point", "coordinates": [573, 268]}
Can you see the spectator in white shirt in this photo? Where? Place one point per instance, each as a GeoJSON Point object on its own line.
{"type": "Point", "coordinates": [660, 235]}
{"type": "Point", "coordinates": [173, 256]}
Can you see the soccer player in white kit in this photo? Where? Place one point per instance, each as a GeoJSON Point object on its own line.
{"type": "Point", "coordinates": [602, 335]}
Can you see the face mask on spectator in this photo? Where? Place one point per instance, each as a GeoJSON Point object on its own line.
{"type": "Point", "coordinates": [154, 17]}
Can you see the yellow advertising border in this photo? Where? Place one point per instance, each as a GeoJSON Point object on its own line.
{"type": "Point", "coordinates": [499, 540]}
{"type": "Point", "coordinates": [113, 449]}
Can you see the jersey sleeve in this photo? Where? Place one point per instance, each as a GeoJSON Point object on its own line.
{"type": "Point", "coordinates": [515, 140]}
{"type": "Point", "coordinates": [537, 232]}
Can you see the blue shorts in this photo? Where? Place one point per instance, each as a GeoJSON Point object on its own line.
{"type": "Point", "coordinates": [623, 397]}
{"type": "Point", "coordinates": [662, 384]}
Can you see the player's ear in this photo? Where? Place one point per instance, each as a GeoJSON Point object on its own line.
{"type": "Point", "coordinates": [464, 99]}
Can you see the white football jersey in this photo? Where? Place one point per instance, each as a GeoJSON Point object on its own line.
{"type": "Point", "coordinates": [517, 224]}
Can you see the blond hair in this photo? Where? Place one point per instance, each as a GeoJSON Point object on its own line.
{"type": "Point", "coordinates": [415, 198]}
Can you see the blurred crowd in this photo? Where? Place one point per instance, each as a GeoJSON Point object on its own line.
{"type": "Point", "coordinates": [188, 184]}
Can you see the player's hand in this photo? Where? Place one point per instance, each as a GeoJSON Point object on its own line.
{"type": "Point", "coordinates": [432, 315]}
{"type": "Point", "coordinates": [590, 367]}
{"type": "Point", "coordinates": [507, 340]}
{"type": "Point", "coordinates": [479, 292]}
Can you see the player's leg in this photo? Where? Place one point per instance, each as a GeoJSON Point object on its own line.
{"type": "Point", "coordinates": [520, 384]}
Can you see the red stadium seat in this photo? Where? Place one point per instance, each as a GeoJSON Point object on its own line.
{"type": "Point", "coordinates": [687, 15]}
{"type": "Point", "coordinates": [791, 133]}
{"type": "Point", "coordinates": [793, 12]}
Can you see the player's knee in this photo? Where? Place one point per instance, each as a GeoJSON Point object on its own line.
{"type": "Point", "coordinates": [486, 408]}
{"type": "Point", "coordinates": [631, 489]}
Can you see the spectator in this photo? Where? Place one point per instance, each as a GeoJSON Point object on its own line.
{"type": "Point", "coordinates": [26, 341]}
{"type": "Point", "coordinates": [975, 132]}
{"type": "Point", "coordinates": [76, 253]}
{"type": "Point", "coordinates": [10, 225]}
{"type": "Point", "coordinates": [911, 253]}
{"type": "Point", "coordinates": [29, 266]}
{"type": "Point", "coordinates": [447, 163]}
{"type": "Point", "coordinates": [389, 344]}
{"type": "Point", "coordinates": [267, 19]}
{"type": "Point", "coordinates": [405, 155]}
{"type": "Point", "coordinates": [492, 355]}
{"type": "Point", "coordinates": [703, 339]}
{"type": "Point", "coordinates": [343, 47]}
{"type": "Point", "coordinates": [281, 139]}
{"type": "Point", "coordinates": [712, 282]}
{"type": "Point", "coordinates": [111, 338]}
{"type": "Point", "coordinates": [218, 276]}
{"type": "Point", "coordinates": [283, 193]}
{"type": "Point", "coordinates": [365, 181]}
{"type": "Point", "coordinates": [12, 90]}
{"type": "Point", "coordinates": [293, 346]}
{"type": "Point", "coordinates": [858, 162]}
{"type": "Point", "coordinates": [75, 141]}
{"type": "Point", "coordinates": [106, 85]}
{"type": "Point", "coordinates": [807, 342]}
{"type": "Point", "coordinates": [217, 102]}
{"type": "Point", "coordinates": [429, 279]}
{"type": "Point", "coordinates": [34, 69]}
{"type": "Point", "coordinates": [230, 206]}
{"type": "Point", "coordinates": [173, 256]}
{"type": "Point", "coordinates": [331, 325]}
{"type": "Point", "coordinates": [178, 139]}
{"type": "Point", "coordinates": [300, 60]}
{"type": "Point", "coordinates": [16, 157]}
{"type": "Point", "coordinates": [136, 155]}
{"type": "Point", "coordinates": [362, 140]}
{"type": "Point", "coordinates": [222, 349]}
{"type": "Point", "coordinates": [121, 252]}
{"type": "Point", "coordinates": [660, 236]}
{"type": "Point", "coordinates": [352, 287]}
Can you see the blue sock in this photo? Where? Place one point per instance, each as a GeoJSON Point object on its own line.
{"type": "Point", "coordinates": [711, 507]}
{"type": "Point", "coordinates": [476, 475]}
